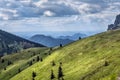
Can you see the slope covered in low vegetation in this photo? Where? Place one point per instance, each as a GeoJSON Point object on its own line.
{"type": "Point", "coordinates": [13, 64]}
{"type": "Point", "coordinates": [93, 58]}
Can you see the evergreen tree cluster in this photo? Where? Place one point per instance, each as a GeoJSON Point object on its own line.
{"type": "Point", "coordinates": [60, 72]}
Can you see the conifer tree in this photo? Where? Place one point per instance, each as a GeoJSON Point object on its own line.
{"type": "Point", "coordinates": [38, 58]}
{"type": "Point", "coordinates": [80, 38]}
{"type": "Point", "coordinates": [52, 75]}
{"type": "Point", "coordinates": [33, 75]}
{"type": "Point", "coordinates": [60, 45]}
{"type": "Point", "coordinates": [30, 63]}
{"type": "Point", "coordinates": [60, 73]}
{"type": "Point", "coordinates": [19, 70]}
{"type": "Point", "coordinates": [41, 59]}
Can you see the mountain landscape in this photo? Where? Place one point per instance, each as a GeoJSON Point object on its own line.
{"type": "Point", "coordinates": [90, 58]}
{"type": "Point", "coordinates": [59, 40]}
{"type": "Point", "coordinates": [86, 59]}
{"type": "Point", "coordinates": [49, 41]}
{"type": "Point", "coordinates": [10, 43]}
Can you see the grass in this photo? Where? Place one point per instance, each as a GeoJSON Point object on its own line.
{"type": "Point", "coordinates": [82, 60]}
{"type": "Point", "coordinates": [20, 61]}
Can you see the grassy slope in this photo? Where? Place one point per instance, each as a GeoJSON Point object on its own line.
{"type": "Point", "coordinates": [82, 60]}
{"type": "Point", "coordinates": [19, 60]}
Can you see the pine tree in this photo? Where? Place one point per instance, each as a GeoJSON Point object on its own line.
{"type": "Point", "coordinates": [19, 70]}
{"type": "Point", "coordinates": [30, 63]}
{"type": "Point", "coordinates": [2, 61]}
{"type": "Point", "coordinates": [60, 73]}
{"type": "Point", "coordinates": [41, 59]}
{"type": "Point", "coordinates": [38, 58]}
{"type": "Point", "coordinates": [80, 38]}
{"type": "Point", "coordinates": [60, 45]}
{"type": "Point", "coordinates": [52, 75]}
{"type": "Point", "coordinates": [33, 74]}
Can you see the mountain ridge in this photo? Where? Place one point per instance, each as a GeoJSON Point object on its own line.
{"type": "Point", "coordinates": [74, 36]}
{"type": "Point", "coordinates": [49, 41]}
{"type": "Point", "coordinates": [10, 41]}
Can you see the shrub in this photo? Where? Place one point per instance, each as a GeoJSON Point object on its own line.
{"type": "Point", "coordinates": [106, 63]}
{"type": "Point", "coordinates": [53, 63]}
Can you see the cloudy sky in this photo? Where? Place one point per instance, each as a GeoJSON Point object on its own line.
{"type": "Point", "coordinates": [57, 15]}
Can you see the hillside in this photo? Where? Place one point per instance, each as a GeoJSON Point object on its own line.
{"type": "Point", "coordinates": [13, 64]}
{"type": "Point", "coordinates": [11, 43]}
{"type": "Point", "coordinates": [93, 58]}
{"type": "Point", "coordinates": [49, 41]}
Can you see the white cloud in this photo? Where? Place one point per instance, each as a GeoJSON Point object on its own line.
{"type": "Point", "coordinates": [49, 13]}
{"type": "Point", "coordinates": [57, 13]}
{"type": "Point", "coordinates": [15, 9]}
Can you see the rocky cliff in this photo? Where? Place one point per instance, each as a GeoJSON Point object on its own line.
{"type": "Point", "coordinates": [116, 24]}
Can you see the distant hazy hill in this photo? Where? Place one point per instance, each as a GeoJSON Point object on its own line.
{"type": "Point", "coordinates": [49, 41]}
{"type": "Point", "coordinates": [116, 24]}
{"type": "Point", "coordinates": [11, 43]}
{"type": "Point", "coordinates": [73, 37]}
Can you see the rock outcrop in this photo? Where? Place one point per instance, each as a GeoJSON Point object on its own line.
{"type": "Point", "coordinates": [116, 24]}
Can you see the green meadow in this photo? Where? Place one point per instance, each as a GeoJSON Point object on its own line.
{"type": "Point", "coordinates": [93, 58]}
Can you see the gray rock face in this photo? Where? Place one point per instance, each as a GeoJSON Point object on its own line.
{"type": "Point", "coordinates": [110, 27]}
{"type": "Point", "coordinates": [116, 24]}
{"type": "Point", "coordinates": [117, 21]}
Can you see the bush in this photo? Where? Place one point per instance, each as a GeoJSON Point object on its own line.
{"type": "Point", "coordinates": [19, 70]}
{"type": "Point", "coordinates": [106, 63]}
{"type": "Point", "coordinates": [53, 63]}
{"type": "Point", "coordinates": [2, 61]}
{"type": "Point", "coordinates": [9, 63]}
{"type": "Point", "coordinates": [4, 68]}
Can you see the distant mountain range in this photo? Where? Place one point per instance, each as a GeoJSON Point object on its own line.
{"type": "Point", "coordinates": [73, 37]}
{"type": "Point", "coordinates": [11, 43]}
{"type": "Point", "coordinates": [116, 24]}
{"type": "Point", "coordinates": [49, 41]}
{"type": "Point", "coordinates": [52, 42]}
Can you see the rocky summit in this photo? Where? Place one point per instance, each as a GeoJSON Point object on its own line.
{"type": "Point", "coordinates": [116, 24]}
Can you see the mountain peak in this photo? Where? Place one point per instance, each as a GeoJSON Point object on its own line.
{"type": "Point", "coordinates": [116, 24]}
